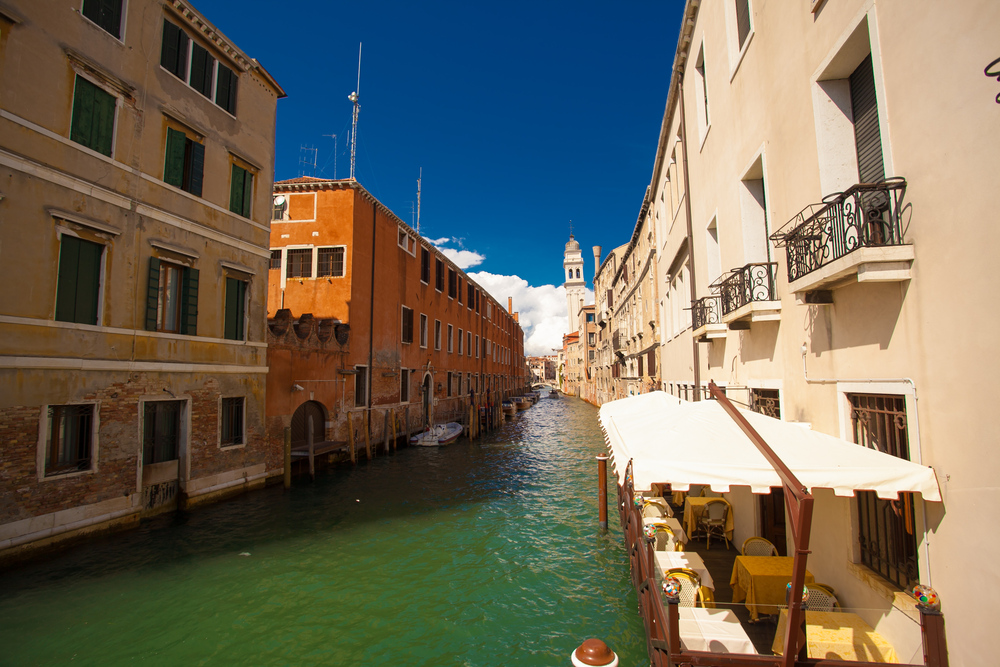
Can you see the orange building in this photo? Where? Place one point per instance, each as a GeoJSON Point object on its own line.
{"type": "Point", "coordinates": [368, 319]}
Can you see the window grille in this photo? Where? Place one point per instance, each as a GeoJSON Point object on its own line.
{"type": "Point", "coordinates": [766, 402]}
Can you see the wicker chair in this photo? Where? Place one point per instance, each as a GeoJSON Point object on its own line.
{"type": "Point", "coordinates": [759, 546]}
{"type": "Point", "coordinates": [821, 598]}
{"type": "Point", "coordinates": [693, 594]}
{"type": "Point", "coordinates": [665, 539]}
{"type": "Point", "coordinates": [653, 510]}
{"type": "Point", "coordinates": [713, 521]}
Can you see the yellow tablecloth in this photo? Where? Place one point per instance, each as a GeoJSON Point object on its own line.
{"type": "Point", "coordinates": [694, 507]}
{"type": "Point", "coordinates": [761, 581]}
{"type": "Point", "coordinates": [838, 635]}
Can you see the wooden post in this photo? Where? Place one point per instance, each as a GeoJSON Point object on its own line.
{"type": "Point", "coordinates": [932, 634]}
{"type": "Point", "coordinates": [406, 425]}
{"type": "Point", "coordinates": [385, 431]}
{"type": "Point", "coordinates": [288, 457]}
{"type": "Point", "coordinates": [394, 430]}
{"type": "Point", "coordinates": [602, 492]}
{"type": "Point", "coordinates": [368, 437]}
{"type": "Point", "coordinates": [309, 439]}
{"type": "Point", "coordinates": [350, 439]}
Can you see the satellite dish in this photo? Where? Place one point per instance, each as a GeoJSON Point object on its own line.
{"type": "Point", "coordinates": [279, 200]}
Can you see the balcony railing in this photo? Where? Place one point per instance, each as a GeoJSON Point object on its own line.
{"type": "Point", "coordinates": [866, 215]}
{"type": "Point", "coordinates": [707, 310]}
{"type": "Point", "coordinates": [753, 282]}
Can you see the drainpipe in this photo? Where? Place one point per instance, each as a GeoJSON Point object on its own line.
{"type": "Point", "coordinates": [371, 322]}
{"type": "Point", "coordinates": [695, 353]}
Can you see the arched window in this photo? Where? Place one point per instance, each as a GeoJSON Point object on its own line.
{"type": "Point", "coordinates": [578, 273]}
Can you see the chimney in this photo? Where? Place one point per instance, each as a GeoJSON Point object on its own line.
{"type": "Point", "coordinates": [510, 305]}
{"type": "Point", "coordinates": [515, 317]}
{"type": "Point", "coordinates": [597, 260]}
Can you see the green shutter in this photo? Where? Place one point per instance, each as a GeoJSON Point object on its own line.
{"type": "Point", "coordinates": [69, 265]}
{"type": "Point", "coordinates": [236, 190]}
{"type": "Point", "coordinates": [104, 122]}
{"type": "Point", "coordinates": [105, 13]}
{"type": "Point", "coordinates": [225, 89]}
{"type": "Point", "coordinates": [197, 168]}
{"type": "Point", "coordinates": [152, 293]}
{"type": "Point", "coordinates": [247, 193]}
{"type": "Point", "coordinates": [235, 308]}
{"type": "Point", "coordinates": [201, 71]}
{"type": "Point", "coordinates": [173, 52]}
{"type": "Point", "coordinates": [189, 302]}
{"type": "Point", "coordinates": [83, 111]}
{"type": "Point", "coordinates": [79, 279]}
{"type": "Point", "coordinates": [173, 168]}
{"type": "Point", "coordinates": [93, 121]}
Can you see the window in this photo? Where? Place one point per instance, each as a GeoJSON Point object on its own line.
{"type": "Point", "coordinates": [361, 386]}
{"type": "Point", "coordinates": [404, 385]}
{"type": "Point", "coordinates": [78, 287]}
{"type": "Point", "coordinates": [105, 13]}
{"type": "Point", "coordinates": [439, 275]}
{"type": "Point", "coordinates": [406, 241]}
{"type": "Point", "coordinates": [235, 316]}
{"type": "Point", "coordinates": [423, 330]}
{"type": "Point", "coordinates": [766, 402]}
{"type": "Point", "coordinates": [472, 296]}
{"type": "Point", "coordinates": [468, 345]}
{"type": "Point", "coordinates": [276, 259]}
{"type": "Point", "coordinates": [437, 334]}
{"type": "Point", "coordinates": [93, 123]}
{"type": "Point", "coordinates": [172, 298]}
{"type": "Point", "coordinates": [330, 262]}
{"type": "Point", "coordinates": [451, 338]}
{"type": "Point", "coordinates": [742, 20]}
{"type": "Point", "coordinates": [477, 301]}
{"type": "Point", "coordinates": [69, 438]}
{"type": "Point", "coordinates": [407, 325]}
{"type": "Point", "coordinates": [299, 263]}
{"type": "Point", "coordinates": [241, 191]}
{"type": "Point", "coordinates": [461, 338]}
{"type": "Point", "coordinates": [184, 163]}
{"type": "Point", "coordinates": [867, 136]}
{"type": "Point", "coordinates": [477, 347]}
{"type": "Point", "coordinates": [590, 317]}
{"type": "Point", "coordinates": [280, 209]}
{"type": "Point", "coordinates": [205, 74]}
{"type": "Point", "coordinates": [449, 382]}
{"type": "Point", "coordinates": [452, 283]}
{"type": "Point", "coordinates": [886, 531]}
{"type": "Point", "coordinates": [232, 421]}
{"type": "Point", "coordinates": [458, 293]}
{"type": "Point", "coordinates": [701, 94]}
{"type": "Point", "coordinates": [425, 265]}
{"type": "Point", "coordinates": [161, 431]}
{"type": "Point", "coordinates": [590, 338]}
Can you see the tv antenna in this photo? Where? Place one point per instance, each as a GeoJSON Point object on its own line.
{"type": "Point", "coordinates": [308, 157]}
{"type": "Point", "coordinates": [418, 199]}
{"type": "Point", "coordinates": [334, 154]}
{"type": "Point", "coordinates": [353, 97]}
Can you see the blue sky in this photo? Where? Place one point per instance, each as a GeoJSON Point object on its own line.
{"type": "Point", "coordinates": [523, 116]}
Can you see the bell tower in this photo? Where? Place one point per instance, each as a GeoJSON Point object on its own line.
{"type": "Point", "coordinates": [576, 285]}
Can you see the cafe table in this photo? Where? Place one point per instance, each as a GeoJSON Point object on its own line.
{"type": "Point", "coordinates": [715, 630]}
{"type": "Point", "coordinates": [761, 581]}
{"type": "Point", "coordinates": [673, 524]}
{"type": "Point", "coordinates": [838, 635]}
{"type": "Point", "coordinates": [694, 507]}
{"type": "Point", "coordinates": [667, 560]}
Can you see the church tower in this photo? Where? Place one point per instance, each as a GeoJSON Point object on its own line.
{"type": "Point", "coordinates": [576, 286]}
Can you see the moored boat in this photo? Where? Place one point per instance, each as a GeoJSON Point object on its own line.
{"type": "Point", "coordinates": [522, 402]}
{"type": "Point", "coordinates": [439, 434]}
{"type": "Point", "coordinates": [509, 408]}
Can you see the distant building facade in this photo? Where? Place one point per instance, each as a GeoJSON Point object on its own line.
{"type": "Point", "coordinates": [136, 154]}
{"type": "Point", "coordinates": [371, 326]}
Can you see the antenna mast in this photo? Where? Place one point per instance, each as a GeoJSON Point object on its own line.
{"type": "Point", "coordinates": [353, 97]}
{"type": "Point", "coordinates": [418, 199]}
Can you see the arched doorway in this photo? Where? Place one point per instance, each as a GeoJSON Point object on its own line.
{"type": "Point", "coordinates": [300, 423]}
{"type": "Point", "coordinates": [427, 391]}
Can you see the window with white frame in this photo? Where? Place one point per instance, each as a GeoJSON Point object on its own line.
{"type": "Point", "coordinates": [298, 263]}
{"type": "Point", "coordinates": [423, 330]}
{"type": "Point", "coordinates": [451, 338]}
{"type": "Point", "coordinates": [162, 431]}
{"type": "Point", "coordinates": [330, 261]}
{"type": "Point", "coordinates": [461, 338]}
{"type": "Point", "coordinates": [360, 386]}
{"type": "Point", "coordinates": [70, 432]}
{"type": "Point", "coordinates": [437, 334]}
{"type": "Point", "coordinates": [191, 63]}
{"type": "Point", "coordinates": [404, 385]}
{"type": "Point", "coordinates": [232, 421]}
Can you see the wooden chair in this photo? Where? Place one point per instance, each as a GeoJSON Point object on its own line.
{"type": "Point", "coordinates": [821, 598]}
{"type": "Point", "coordinates": [693, 594]}
{"type": "Point", "coordinates": [713, 521]}
{"type": "Point", "coordinates": [759, 546]}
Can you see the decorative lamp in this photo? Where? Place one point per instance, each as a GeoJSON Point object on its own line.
{"type": "Point", "coordinates": [638, 500]}
{"type": "Point", "coordinates": [927, 598]}
{"type": "Point", "coordinates": [788, 592]}
{"type": "Point", "coordinates": [650, 530]}
{"type": "Point", "coordinates": [672, 587]}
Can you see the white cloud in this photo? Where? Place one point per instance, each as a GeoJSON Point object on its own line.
{"type": "Point", "coordinates": [464, 259]}
{"type": "Point", "coordinates": [440, 241]}
{"type": "Point", "coordinates": [541, 310]}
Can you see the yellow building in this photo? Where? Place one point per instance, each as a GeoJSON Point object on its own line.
{"type": "Point", "coordinates": [136, 153]}
{"type": "Point", "coordinates": [823, 222]}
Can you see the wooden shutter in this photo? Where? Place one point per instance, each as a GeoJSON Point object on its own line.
{"type": "Point", "coordinates": [173, 164]}
{"type": "Point", "coordinates": [867, 137]}
{"type": "Point", "coordinates": [225, 89]}
{"type": "Point", "coordinates": [651, 362]}
{"type": "Point", "coordinates": [236, 190]}
{"type": "Point", "coordinates": [173, 51]}
{"type": "Point", "coordinates": [235, 308]}
{"type": "Point", "coordinates": [189, 302]}
{"type": "Point", "coordinates": [743, 19]}
{"type": "Point", "coordinates": [105, 13]}
{"type": "Point", "coordinates": [201, 70]}
{"type": "Point", "coordinates": [197, 168]}
{"type": "Point", "coordinates": [247, 193]}
{"type": "Point", "coordinates": [152, 293]}
{"type": "Point", "coordinates": [78, 283]}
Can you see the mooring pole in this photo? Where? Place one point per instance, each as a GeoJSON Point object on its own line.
{"type": "Point", "coordinates": [602, 492]}
{"type": "Point", "coordinates": [288, 458]}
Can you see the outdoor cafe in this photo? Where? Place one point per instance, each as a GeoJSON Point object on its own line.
{"type": "Point", "coordinates": [712, 591]}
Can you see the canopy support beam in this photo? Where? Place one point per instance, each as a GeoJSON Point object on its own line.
{"type": "Point", "coordinates": [800, 508]}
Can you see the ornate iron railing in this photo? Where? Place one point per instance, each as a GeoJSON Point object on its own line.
{"type": "Point", "coordinates": [753, 282]}
{"type": "Point", "coordinates": [707, 310]}
{"type": "Point", "coordinates": [866, 215]}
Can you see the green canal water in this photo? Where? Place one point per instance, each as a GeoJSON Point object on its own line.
{"type": "Point", "coordinates": [484, 553]}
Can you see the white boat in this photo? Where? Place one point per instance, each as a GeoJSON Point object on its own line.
{"type": "Point", "coordinates": [439, 434]}
{"type": "Point", "coordinates": [509, 409]}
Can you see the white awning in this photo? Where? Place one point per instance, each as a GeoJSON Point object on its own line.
{"type": "Point", "coordinates": [673, 441]}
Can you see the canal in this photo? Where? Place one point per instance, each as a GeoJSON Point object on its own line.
{"type": "Point", "coordinates": [484, 553]}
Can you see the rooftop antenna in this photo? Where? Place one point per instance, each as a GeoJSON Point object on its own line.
{"type": "Point", "coordinates": [418, 199]}
{"type": "Point", "coordinates": [571, 228]}
{"type": "Point", "coordinates": [308, 157]}
{"type": "Point", "coordinates": [353, 97]}
{"type": "Point", "coordinates": [334, 154]}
